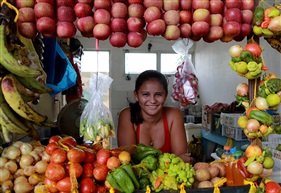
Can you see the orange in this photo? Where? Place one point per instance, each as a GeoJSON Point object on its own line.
{"type": "Point", "coordinates": [253, 150]}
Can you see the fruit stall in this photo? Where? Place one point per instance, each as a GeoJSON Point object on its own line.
{"type": "Point", "coordinates": [83, 160]}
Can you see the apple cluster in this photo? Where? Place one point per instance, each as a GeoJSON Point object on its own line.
{"type": "Point", "coordinates": [130, 21]}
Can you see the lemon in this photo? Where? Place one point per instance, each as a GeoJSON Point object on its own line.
{"type": "Point", "coordinates": [268, 162]}
{"type": "Point", "coordinates": [241, 67]}
{"type": "Point", "coordinates": [273, 100]}
{"type": "Point", "coordinates": [242, 121]}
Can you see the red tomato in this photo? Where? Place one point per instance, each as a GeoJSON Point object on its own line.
{"type": "Point", "coordinates": [55, 172]}
{"type": "Point", "coordinates": [97, 147]}
{"type": "Point", "coordinates": [90, 156]}
{"type": "Point", "coordinates": [101, 189]}
{"type": "Point", "coordinates": [88, 169]}
{"type": "Point", "coordinates": [51, 147]}
{"type": "Point", "coordinates": [51, 185]}
{"type": "Point", "coordinates": [58, 156]}
{"type": "Point", "coordinates": [55, 138]}
{"type": "Point", "coordinates": [87, 185]}
{"type": "Point", "coordinates": [76, 167]}
{"type": "Point", "coordinates": [116, 151]}
{"type": "Point", "coordinates": [102, 156]}
{"type": "Point", "coordinates": [76, 155]}
{"type": "Point", "coordinates": [113, 162]}
{"type": "Point", "coordinates": [272, 187]}
{"type": "Point", "coordinates": [64, 185]}
{"type": "Point", "coordinates": [100, 172]}
{"type": "Point", "coordinates": [254, 48]}
{"type": "Point", "coordinates": [69, 141]}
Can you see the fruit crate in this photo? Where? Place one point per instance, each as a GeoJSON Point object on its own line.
{"type": "Point", "coordinates": [230, 119]}
{"type": "Point", "coordinates": [273, 141]}
{"type": "Point", "coordinates": [234, 132]}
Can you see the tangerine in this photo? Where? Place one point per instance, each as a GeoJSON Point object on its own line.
{"type": "Point", "coordinates": [253, 150]}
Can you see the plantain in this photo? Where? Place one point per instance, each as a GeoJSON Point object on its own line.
{"type": "Point", "coordinates": [6, 134]}
{"type": "Point", "coordinates": [274, 43]}
{"type": "Point", "coordinates": [10, 63]}
{"type": "Point", "coordinates": [16, 102]}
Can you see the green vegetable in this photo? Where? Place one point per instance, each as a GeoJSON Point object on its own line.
{"type": "Point", "coordinates": [236, 59]}
{"type": "Point", "coordinates": [273, 85]}
{"type": "Point", "coordinates": [247, 56]}
{"type": "Point", "coordinates": [124, 180]}
{"type": "Point", "coordinates": [241, 99]}
{"type": "Point", "coordinates": [144, 150]}
{"type": "Point", "coordinates": [262, 116]}
{"type": "Point", "coordinates": [143, 183]}
{"type": "Point", "coordinates": [113, 182]}
{"type": "Point", "coordinates": [140, 172]}
{"type": "Point", "coordinates": [258, 16]}
{"type": "Point", "coordinates": [150, 162]}
{"type": "Point", "coordinates": [130, 172]}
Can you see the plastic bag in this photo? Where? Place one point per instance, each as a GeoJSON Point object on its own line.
{"type": "Point", "coordinates": [96, 122]}
{"type": "Point", "coordinates": [185, 87]}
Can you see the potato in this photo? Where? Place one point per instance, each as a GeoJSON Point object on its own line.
{"type": "Point", "coordinates": [202, 175]}
{"type": "Point", "coordinates": [201, 165]}
{"type": "Point", "coordinates": [221, 168]}
{"type": "Point", "coordinates": [214, 171]}
{"type": "Point", "coordinates": [205, 184]}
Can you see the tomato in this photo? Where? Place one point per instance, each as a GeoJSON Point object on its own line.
{"type": "Point", "coordinates": [69, 141]}
{"type": "Point", "coordinates": [76, 155]}
{"type": "Point", "coordinates": [88, 169]}
{"type": "Point", "coordinates": [51, 147]}
{"type": "Point", "coordinates": [102, 156]}
{"type": "Point", "coordinates": [58, 156]}
{"type": "Point", "coordinates": [51, 185]}
{"type": "Point", "coordinates": [100, 172]}
{"type": "Point", "coordinates": [113, 162]}
{"type": "Point", "coordinates": [90, 156]}
{"type": "Point", "coordinates": [272, 187]}
{"type": "Point", "coordinates": [64, 185]}
{"type": "Point", "coordinates": [76, 167]}
{"type": "Point", "coordinates": [254, 48]}
{"type": "Point", "coordinates": [101, 189]}
{"type": "Point", "coordinates": [249, 110]}
{"type": "Point", "coordinates": [116, 151]}
{"type": "Point", "coordinates": [87, 185]}
{"type": "Point", "coordinates": [55, 139]}
{"type": "Point", "coordinates": [97, 147]}
{"type": "Point", "coordinates": [55, 172]}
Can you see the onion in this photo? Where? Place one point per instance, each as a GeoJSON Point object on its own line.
{"type": "Point", "coordinates": [4, 175]}
{"type": "Point", "coordinates": [252, 125]}
{"type": "Point", "coordinates": [3, 161]}
{"type": "Point", "coordinates": [34, 179]}
{"type": "Point", "coordinates": [18, 173]}
{"type": "Point", "coordinates": [26, 160]}
{"type": "Point", "coordinates": [23, 187]}
{"type": "Point", "coordinates": [20, 179]}
{"type": "Point", "coordinates": [29, 170]}
{"type": "Point", "coordinates": [7, 185]}
{"type": "Point", "coordinates": [25, 148]}
{"type": "Point", "coordinates": [39, 149]}
{"type": "Point", "coordinates": [255, 168]}
{"type": "Point", "coordinates": [11, 166]}
{"type": "Point", "coordinates": [275, 24]}
{"type": "Point", "coordinates": [235, 50]}
{"type": "Point", "coordinates": [11, 152]}
{"type": "Point", "coordinates": [242, 89]}
{"type": "Point", "coordinates": [41, 166]}
{"type": "Point", "coordinates": [46, 157]}
{"type": "Point", "coordinates": [35, 155]}
{"type": "Point", "coordinates": [17, 144]}
{"type": "Point", "coordinates": [261, 103]}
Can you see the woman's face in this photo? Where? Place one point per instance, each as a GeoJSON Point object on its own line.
{"type": "Point", "coordinates": [151, 96]}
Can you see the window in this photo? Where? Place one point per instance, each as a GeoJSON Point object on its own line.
{"type": "Point", "coordinates": [167, 63]}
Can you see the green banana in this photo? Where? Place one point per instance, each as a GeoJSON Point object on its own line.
{"type": "Point", "coordinates": [10, 63]}
{"type": "Point", "coordinates": [16, 102]}
{"type": "Point", "coordinates": [6, 134]}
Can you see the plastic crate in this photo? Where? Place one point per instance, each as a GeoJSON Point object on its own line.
{"type": "Point", "coordinates": [234, 132]}
{"type": "Point", "coordinates": [230, 119]}
{"type": "Point", "coordinates": [273, 141]}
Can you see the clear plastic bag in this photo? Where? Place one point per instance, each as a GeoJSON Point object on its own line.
{"type": "Point", "coordinates": [185, 87]}
{"type": "Point", "coordinates": [96, 123]}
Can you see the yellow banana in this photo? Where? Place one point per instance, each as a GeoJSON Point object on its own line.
{"type": "Point", "coordinates": [10, 63]}
{"type": "Point", "coordinates": [16, 102]}
{"type": "Point", "coordinates": [6, 134]}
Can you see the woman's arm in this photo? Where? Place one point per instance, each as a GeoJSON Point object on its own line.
{"type": "Point", "coordinates": [178, 136]}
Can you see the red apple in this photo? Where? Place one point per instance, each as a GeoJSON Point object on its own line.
{"type": "Point", "coordinates": [101, 31]}
{"type": "Point", "coordinates": [171, 17]}
{"type": "Point", "coordinates": [102, 16]}
{"type": "Point", "coordinates": [231, 28]}
{"type": "Point", "coordinates": [185, 5]}
{"type": "Point", "coordinates": [135, 1]}
{"type": "Point", "coordinates": [68, 3]}
{"type": "Point", "coordinates": [26, 14]}
{"type": "Point", "coordinates": [135, 24]}
{"type": "Point", "coordinates": [201, 15]}
{"type": "Point", "coordinates": [233, 4]}
{"type": "Point", "coordinates": [195, 37]}
{"type": "Point", "coordinates": [248, 5]}
{"type": "Point", "coordinates": [171, 5]}
{"type": "Point", "coordinates": [88, 34]}
{"type": "Point", "coordinates": [82, 10]}
{"type": "Point", "coordinates": [200, 4]}
{"type": "Point", "coordinates": [200, 28]}
{"type": "Point", "coordinates": [102, 4]}
{"type": "Point", "coordinates": [120, 1]}
{"type": "Point", "coordinates": [134, 39]}
{"type": "Point", "coordinates": [246, 29]}
{"type": "Point", "coordinates": [27, 29]}
{"type": "Point", "coordinates": [233, 14]}
{"type": "Point", "coordinates": [118, 25]}
{"type": "Point", "coordinates": [185, 30]}
{"type": "Point", "coordinates": [136, 10]}
{"type": "Point", "coordinates": [216, 19]}
{"type": "Point", "coordinates": [172, 32]}
{"type": "Point", "coordinates": [118, 39]}
{"type": "Point", "coordinates": [185, 16]}
{"type": "Point", "coordinates": [66, 29]}
{"type": "Point", "coordinates": [215, 33]}
{"type": "Point", "coordinates": [65, 13]}
{"type": "Point", "coordinates": [43, 9]}
{"type": "Point", "coordinates": [25, 3]}
{"type": "Point", "coordinates": [216, 6]}
{"type": "Point", "coordinates": [152, 14]}
{"type": "Point", "coordinates": [247, 16]}
{"type": "Point", "coordinates": [85, 24]}
{"type": "Point", "coordinates": [226, 38]}
{"type": "Point", "coordinates": [153, 3]}
{"type": "Point", "coordinates": [86, 1]}
{"type": "Point", "coordinates": [156, 27]}
{"type": "Point", "coordinates": [46, 25]}
{"type": "Point", "coordinates": [119, 10]}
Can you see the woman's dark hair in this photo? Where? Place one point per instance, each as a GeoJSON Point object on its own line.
{"type": "Point", "coordinates": [135, 110]}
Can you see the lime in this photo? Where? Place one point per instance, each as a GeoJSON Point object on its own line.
{"type": "Point", "coordinates": [242, 121]}
{"type": "Point", "coordinates": [241, 67]}
{"type": "Point", "coordinates": [268, 162]}
{"type": "Point", "coordinates": [273, 100]}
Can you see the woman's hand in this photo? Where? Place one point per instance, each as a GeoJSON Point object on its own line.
{"type": "Point", "coordinates": [186, 157]}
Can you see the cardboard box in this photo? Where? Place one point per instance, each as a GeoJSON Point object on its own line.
{"type": "Point", "coordinates": [216, 123]}
{"type": "Point", "coordinates": [207, 120]}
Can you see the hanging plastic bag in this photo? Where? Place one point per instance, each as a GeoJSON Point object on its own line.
{"type": "Point", "coordinates": [185, 87]}
{"type": "Point", "coordinates": [96, 122]}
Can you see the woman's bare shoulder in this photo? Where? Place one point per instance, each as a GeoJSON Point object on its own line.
{"type": "Point", "coordinates": [124, 112]}
{"type": "Point", "coordinates": [172, 110]}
